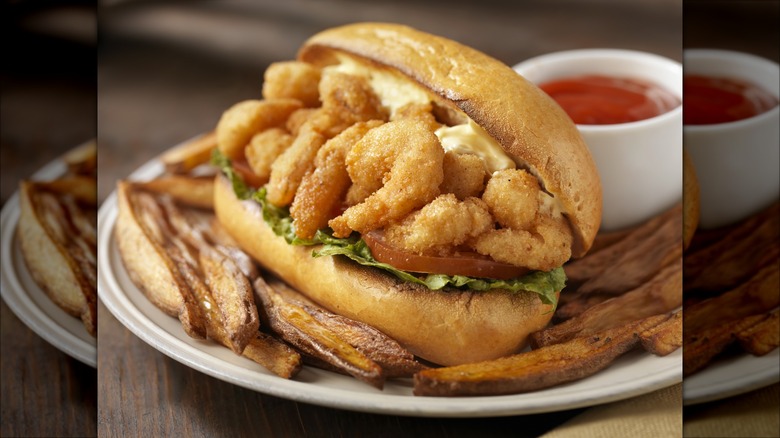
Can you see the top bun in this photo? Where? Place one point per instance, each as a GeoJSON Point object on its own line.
{"type": "Point", "coordinates": [533, 130]}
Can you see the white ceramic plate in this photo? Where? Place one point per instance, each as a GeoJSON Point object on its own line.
{"type": "Point", "coordinates": [732, 376]}
{"type": "Point", "coordinates": [27, 300]}
{"type": "Point", "coordinates": [634, 374]}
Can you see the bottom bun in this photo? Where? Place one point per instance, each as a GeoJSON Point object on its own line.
{"type": "Point", "coordinates": [447, 327]}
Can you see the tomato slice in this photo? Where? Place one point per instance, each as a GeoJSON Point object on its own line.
{"type": "Point", "coordinates": [250, 178]}
{"type": "Point", "coordinates": [466, 263]}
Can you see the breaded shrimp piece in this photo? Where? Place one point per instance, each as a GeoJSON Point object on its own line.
{"type": "Point", "coordinates": [545, 248]}
{"type": "Point", "coordinates": [245, 119]}
{"type": "Point", "coordinates": [292, 79]}
{"type": "Point", "coordinates": [406, 158]}
{"type": "Point", "coordinates": [264, 148]}
{"type": "Point", "coordinates": [418, 111]}
{"type": "Point", "coordinates": [298, 118]}
{"type": "Point", "coordinates": [322, 189]}
{"type": "Point", "coordinates": [440, 225]}
{"type": "Point", "coordinates": [464, 175]}
{"type": "Point", "coordinates": [350, 97]}
{"type": "Point", "coordinates": [513, 198]}
{"type": "Point", "coordinates": [288, 170]}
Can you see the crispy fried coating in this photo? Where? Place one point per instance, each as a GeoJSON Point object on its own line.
{"type": "Point", "coordinates": [243, 120]}
{"type": "Point", "coordinates": [265, 148]}
{"type": "Point", "coordinates": [443, 223]}
{"type": "Point", "coordinates": [404, 159]}
{"type": "Point", "coordinates": [464, 175]}
{"type": "Point", "coordinates": [292, 79]}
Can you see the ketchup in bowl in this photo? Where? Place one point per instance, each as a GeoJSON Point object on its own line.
{"type": "Point", "coordinates": [605, 100]}
{"type": "Point", "coordinates": [711, 100]}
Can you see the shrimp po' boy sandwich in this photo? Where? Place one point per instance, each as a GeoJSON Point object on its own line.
{"type": "Point", "coordinates": [412, 183]}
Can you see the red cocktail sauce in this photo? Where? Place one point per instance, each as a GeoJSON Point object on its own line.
{"type": "Point", "coordinates": [605, 100]}
{"type": "Point", "coordinates": [711, 100]}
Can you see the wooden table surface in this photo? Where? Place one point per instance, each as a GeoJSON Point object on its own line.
{"type": "Point", "coordinates": [166, 72]}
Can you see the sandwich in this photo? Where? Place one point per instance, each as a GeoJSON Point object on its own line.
{"type": "Point", "coordinates": [412, 183]}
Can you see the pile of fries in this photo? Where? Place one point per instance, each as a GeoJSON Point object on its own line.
{"type": "Point", "coordinates": [625, 294]}
{"type": "Point", "coordinates": [57, 234]}
{"type": "Point", "coordinates": [732, 290]}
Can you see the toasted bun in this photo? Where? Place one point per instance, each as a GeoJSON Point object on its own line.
{"type": "Point", "coordinates": [530, 126]}
{"type": "Point", "coordinates": [445, 327]}
{"type": "Point", "coordinates": [690, 200]}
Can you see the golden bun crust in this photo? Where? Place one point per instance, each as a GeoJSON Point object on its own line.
{"type": "Point", "coordinates": [444, 327]}
{"type": "Point", "coordinates": [530, 126]}
{"type": "Point", "coordinates": [690, 200]}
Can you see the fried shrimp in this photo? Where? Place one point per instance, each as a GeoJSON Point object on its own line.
{"type": "Point", "coordinates": [288, 170]}
{"type": "Point", "coordinates": [350, 98]}
{"type": "Point", "coordinates": [513, 198]}
{"type": "Point", "coordinates": [443, 223]}
{"type": "Point", "coordinates": [530, 236]}
{"type": "Point", "coordinates": [401, 162]}
{"type": "Point", "coordinates": [464, 175]}
{"type": "Point", "coordinates": [245, 119]}
{"type": "Point", "coordinates": [265, 148]}
{"type": "Point", "coordinates": [418, 111]}
{"type": "Point", "coordinates": [292, 79]}
{"type": "Point", "coordinates": [298, 118]}
{"type": "Point", "coordinates": [322, 189]}
{"type": "Point", "coordinates": [545, 248]}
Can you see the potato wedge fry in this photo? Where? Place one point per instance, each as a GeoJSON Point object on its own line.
{"type": "Point", "coordinates": [733, 258]}
{"type": "Point", "coordinates": [233, 296]}
{"type": "Point", "coordinates": [660, 295]}
{"type": "Point", "coordinates": [59, 256]}
{"type": "Point", "coordinates": [190, 155]}
{"type": "Point", "coordinates": [82, 188]}
{"type": "Point", "coordinates": [702, 346]}
{"type": "Point", "coordinates": [274, 355]}
{"type": "Point", "coordinates": [581, 270]}
{"type": "Point", "coordinates": [664, 338]}
{"type": "Point", "coordinates": [641, 262]}
{"type": "Point", "coordinates": [140, 241]}
{"type": "Point", "coordinates": [762, 337]}
{"type": "Point", "coordinates": [82, 160]}
{"type": "Point", "coordinates": [299, 328]}
{"type": "Point", "coordinates": [188, 190]}
{"type": "Point", "coordinates": [757, 295]}
{"type": "Point", "coordinates": [536, 369]}
{"type": "Point", "coordinates": [395, 360]}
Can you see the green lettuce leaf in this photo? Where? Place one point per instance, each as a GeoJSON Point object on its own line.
{"type": "Point", "coordinates": [545, 284]}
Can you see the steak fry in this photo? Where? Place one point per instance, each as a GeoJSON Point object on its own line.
{"type": "Point", "coordinates": [732, 259]}
{"type": "Point", "coordinates": [190, 155]}
{"type": "Point", "coordinates": [702, 346]}
{"type": "Point", "coordinates": [274, 355]}
{"type": "Point", "coordinates": [188, 190]}
{"type": "Point", "coordinates": [536, 369]}
{"type": "Point", "coordinates": [664, 338]}
{"type": "Point", "coordinates": [297, 327]}
{"type": "Point", "coordinates": [659, 295]}
{"type": "Point", "coordinates": [757, 295]}
{"type": "Point", "coordinates": [762, 337]}
{"type": "Point", "coordinates": [395, 360]}
{"type": "Point", "coordinates": [581, 270]}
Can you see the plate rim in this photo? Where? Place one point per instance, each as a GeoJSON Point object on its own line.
{"type": "Point", "coordinates": [17, 297]}
{"type": "Point", "coordinates": [115, 299]}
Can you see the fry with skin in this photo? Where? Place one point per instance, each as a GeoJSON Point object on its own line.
{"type": "Point", "coordinates": [757, 295]}
{"type": "Point", "coordinates": [664, 338]}
{"type": "Point", "coordinates": [661, 294]}
{"type": "Point", "coordinates": [192, 191]}
{"type": "Point", "coordinates": [762, 337]}
{"type": "Point", "coordinates": [302, 330]}
{"type": "Point", "coordinates": [702, 346]}
{"type": "Point", "coordinates": [536, 369]}
{"type": "Point", "coordinates": [581, 270]}
{"type": "Point", "coordinates": [732, 259]}
{"type": "Point", "coordinates": [184, 158]}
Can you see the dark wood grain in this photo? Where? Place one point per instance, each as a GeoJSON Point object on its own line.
{"type": "Point", "coordinates": [44, 391]}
